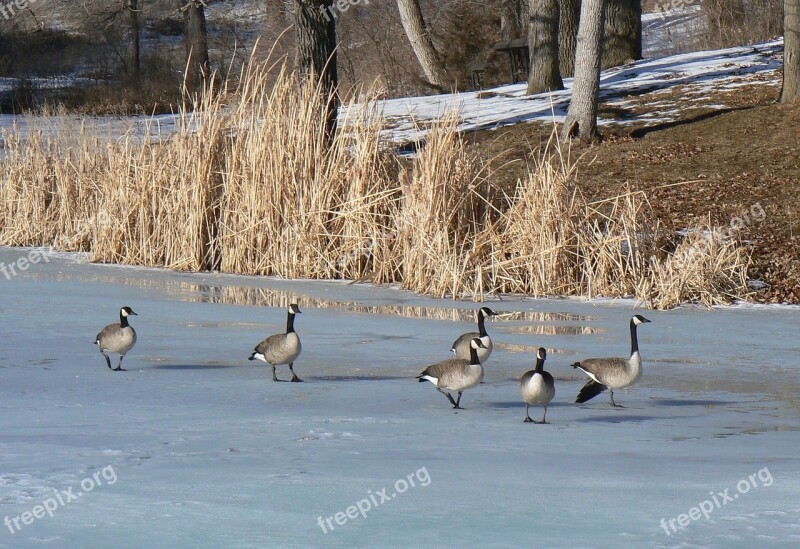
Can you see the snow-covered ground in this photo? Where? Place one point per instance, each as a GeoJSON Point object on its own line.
{"type": "Point", "coordinates": [699, 75]}
{"type": "Point", "coordinates": [672, 30]}
{"type": "Point", "coordinates": [194, 446]}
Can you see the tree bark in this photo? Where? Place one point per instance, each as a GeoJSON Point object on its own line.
{"type": "Point", "coordinates": [315, 27]}
{"type": "Point", "coordinates": [511, 21]}
{"type": "Point", "coordinates": [543, 44]}
{"type": "Point", "coordinates": [623, 32]}
{"type": "Point", "coordinates": [422, 44]}
{"type": "Point", "coordinates": [790, 91]}
{"type": "Point", "coordinates": [198, 67]}
{"type": "Point", "coordinates": [581, 118]}
{"type": "Point", "coordinates": [132, 15]}
{"type": "Point", "coordinates": [569, 15]}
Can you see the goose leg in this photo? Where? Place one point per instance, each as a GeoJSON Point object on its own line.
{"type": "Point", "coordinates": [458, 402]}
{"type": "Point", "coordinates": [544, 415]}
{"type": "Point", "coordinates": [119, 367]}
{"type": "Point", "coordinates": [295, 379]}
{"type": "Point", "coordinates": [610, 392]}
{"type": "Point", "coordinates": [449, 397]}
{"type": "Point", "coordinates": [274, 376]}
{"type": "Point", "coordinates": [108, 361]}
{"type": "Point", "coordinates": [527, 415]}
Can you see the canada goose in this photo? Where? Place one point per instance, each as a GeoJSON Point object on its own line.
{"type": "Point", "coordinates": [117, 338]}
{"type": "Point", "coordinates": [461, 346]}
{"type": "Point", "coordinates": [456, 374]}
{"type": "Point", "coordinates": [612, 373]}
{"type": "Point", "coordinates": [281, 348]}
{"type": "Point", "coordinates": [537, 386]}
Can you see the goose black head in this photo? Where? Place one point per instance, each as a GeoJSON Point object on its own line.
{"type": "Point", "coordinates": [127, 311]}
{"type": "Point", "coordinates": [294, 309]}
{"type": "Point", "coordinates": [486, 311]}
{"type": "Point", "coordinates": [639, 319]}
{"type": "Point", "coordinates": [541, 353]}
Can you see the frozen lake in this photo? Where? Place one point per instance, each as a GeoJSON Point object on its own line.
{"type": "Point", "coordinates": [195, 446]}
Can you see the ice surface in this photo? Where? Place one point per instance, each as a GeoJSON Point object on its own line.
{"type": "Point", "coordinates": [208, 452]}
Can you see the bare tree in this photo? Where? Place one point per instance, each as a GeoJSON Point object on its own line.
{"type": "Point", "coordinates": [132, 10]}
{"type": "Point", "coordinates": [581, 118]}
{"type": "Point", "coordinates": [422, 44]}
{"type": "Point", "coordinates": [315, 27]}
{"type": "Point", "coordinates": [198, 66]}
{"type": "Point", "coordinates": [569, 15]}
{"type": "Point", "coordinates": [511, 19]}
{"type": "Point", "coordinates": [543, 44]}
{"type": "Point", "coordinates": [623, 32]}
{"type": "Point", "coordinates": [791, 51]}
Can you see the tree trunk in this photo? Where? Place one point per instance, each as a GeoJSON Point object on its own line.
{"type": "Point", "coordinates": [543, 44]}
{"type": "Point", "coordinates": [315, 27]}
{"type": "Point", "coordinates": [582, 114]}
{"type": "Point", "coordinates": [420, 38]}
{"type": "Point", "coordinates": [791, 51]}
{"type": "Point", "coordinates": [510, 19]}
{"type": "Point", "coordinates": [198, 67]}
{"type": "Point", "coordinates": [132, 15]}
{"type": "Point", "coordinates": [569, 15]}
{"type": "Point", "coordinates": [623, 32]}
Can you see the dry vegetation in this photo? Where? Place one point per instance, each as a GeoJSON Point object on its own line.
{"type": "Point", "coordinates": [246, 185]}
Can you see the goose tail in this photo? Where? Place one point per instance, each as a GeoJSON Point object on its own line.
{"type": "Point", "coordinates": [589, 391]}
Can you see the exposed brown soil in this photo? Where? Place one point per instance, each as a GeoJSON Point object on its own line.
{"type": "Point", "coordinates": [724, 164]}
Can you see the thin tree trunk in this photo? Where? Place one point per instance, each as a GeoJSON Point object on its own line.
{"type": "Point", "coordinates": [132, 13]}
{"type": "Point", "coordinates": [791, 51]}
{"type": "Point", "coordinates": [543, 44]}
{"type": "Point", "coordinates": [510, 19]}
{"type": "Point", "coordinates": [198, 67]}
{"type": "Point", "coordinates": [569, 15]}
{"type": "Point", "coordinates": [421, 43]}
{"type": "Point", "coordinates": [315, 26]}
{"type": "Point", "coordinates": [623, 32]}
{"type": "Point", "coordinates": [581, 118]}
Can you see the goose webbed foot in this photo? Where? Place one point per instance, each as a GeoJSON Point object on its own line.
{"type": "Point", "coordinates": [295, 379]}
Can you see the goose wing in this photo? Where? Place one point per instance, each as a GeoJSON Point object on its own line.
{"type": "Point", "coordinates": [601, 369]}
{"type": "Point", "coordinates": [444, 370]}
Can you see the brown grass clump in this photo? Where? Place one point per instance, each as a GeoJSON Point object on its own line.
{"type": "Point", "coordinates": [441, 214]}
{"type": "Point", "coordinates": [534, 244]}
{"type": "Point", "coordinates": [709, 267]}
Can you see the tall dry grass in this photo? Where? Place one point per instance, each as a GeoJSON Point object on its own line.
{"type": "Point", "coordinates": [246, 184]}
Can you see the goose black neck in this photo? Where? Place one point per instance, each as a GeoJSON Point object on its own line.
{"type": "Point", "coordinates": [481, 325]}
{"type": "Point", "coordinates": [123, 320]}
{"type": "Point", "coordinates": [290, 323]}
{"type": "Point", "coordinates": [634, 339]}
{"type": "Point", "coordinates": [473, 355]}
{"type": "Point", "coordinates": [539, 365]}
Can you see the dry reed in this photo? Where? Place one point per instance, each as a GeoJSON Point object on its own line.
{"type": "Point", "coordinates": [247, 184]}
